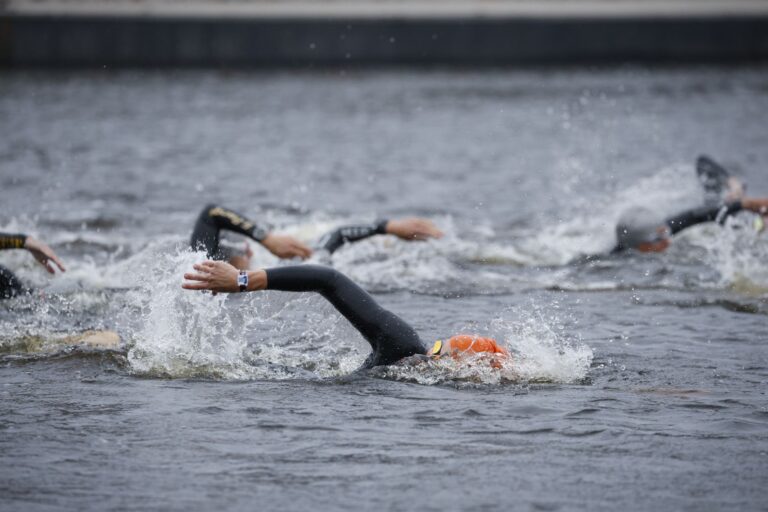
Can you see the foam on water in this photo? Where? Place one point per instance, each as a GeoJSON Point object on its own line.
{"type": "Point", "coordinates": [738, 252]}
{"type": "Point", "coordinates": [182, 333]}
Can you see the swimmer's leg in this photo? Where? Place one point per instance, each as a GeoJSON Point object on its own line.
{"type": "Point", "coordinates": [391, 338]}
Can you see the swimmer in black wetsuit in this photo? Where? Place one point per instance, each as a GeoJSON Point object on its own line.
{"type": "Point", "coordinates": [643, 230]}
{"type": "Point", "coordinates": [10, 286]}
{"type": "Point", "coordinates": [390, 337]}
{"type": "Point", "coordinates": [213, 219]}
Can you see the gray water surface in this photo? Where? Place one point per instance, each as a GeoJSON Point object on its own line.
{"type": "Point", "coordinates": [638, 381]}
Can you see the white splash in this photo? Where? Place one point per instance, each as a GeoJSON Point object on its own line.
{"type": "Point", "coordinates": [182, 333]}
{"type": "Point", "coordinates": [539, 354]}
{"type": "Point", "coordinates": [737, 251]}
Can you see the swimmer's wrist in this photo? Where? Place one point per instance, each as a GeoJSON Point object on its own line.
{"type": "Point", "coordinates": [381, 226]}
{"type": "Point", "coordinates": [257, 280]}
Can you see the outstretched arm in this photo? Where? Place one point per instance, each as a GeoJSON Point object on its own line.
{"type": "Point", "coordinates": [390, 337]}
{"type": "Point", "coordinates": [41, 252]}
{"type": "Point", "coordinates": [754, 204]}
{"type": "Point", "coordinates": [214, 218]}
{"type": "Point", "coordinates": [406, 229]}
{"type": "Point", "coordinates": [695, 216]}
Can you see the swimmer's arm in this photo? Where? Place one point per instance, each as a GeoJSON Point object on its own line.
{"type": "Point", "coordinates": [349, 234]}
{"type": "Point", "coordinates": [381, 328]}
{"type": "Point", "coordinates": [695, 216]}
{"type": "Point", "coordinates": [754, 204]}
{"type": "Point", "coordinates": [282, 246]}
{"type": "Point", "coordinates": [41, 252]}
{"type": "Point", "coordinates": [406, 229]}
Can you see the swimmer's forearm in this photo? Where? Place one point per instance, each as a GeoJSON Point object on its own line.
{"type": "Point", "coordinates": [348, 234]}
{"type": "Point", "coordinates": [757, 205]}
{"type": "Point", "coordinates": [257, 280]}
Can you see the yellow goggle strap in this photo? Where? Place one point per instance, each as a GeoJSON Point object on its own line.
{"type": "Point", "coordinates": [436, 348]}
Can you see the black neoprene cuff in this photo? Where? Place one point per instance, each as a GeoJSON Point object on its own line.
{"type": "Point", "coordinates": [12, 240]}
{"type": "Point", "coordinates": [381, 226]}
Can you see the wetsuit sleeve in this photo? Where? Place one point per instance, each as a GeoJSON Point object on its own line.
{"type": "Point", "coordinates": [390, 337]}
{"type": "Point", "coordinates": [12, 241]}
{"type": "Point", "coordinates": [213, 219]}
{"type": "Point", "coordinates": [347, 234]}
{"type": "Point", "coordinates": [695, 216]}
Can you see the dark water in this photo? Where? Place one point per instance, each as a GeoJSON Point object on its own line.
{"type": "Point", "coordinates": [638, 381]}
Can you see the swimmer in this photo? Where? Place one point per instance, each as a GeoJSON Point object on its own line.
{"type": "Point", "coordinates": [10, 286]}
{"type": "Point", "coordinates": [641, 229]}
{"type": "Point", "coordinates": [391, 338]}
{"type": "Point", "coordinates": [213, 219]}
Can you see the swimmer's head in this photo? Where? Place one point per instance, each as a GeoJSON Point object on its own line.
{"type": "Point", "coordinates": [461, 344]}
{"type": "Point", "coordinates": [641, 229]}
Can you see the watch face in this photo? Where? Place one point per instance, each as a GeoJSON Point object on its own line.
{"type": "Point", "coordinates": [242, 280]}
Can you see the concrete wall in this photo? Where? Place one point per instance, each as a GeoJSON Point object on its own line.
{"type": "Point", "coordinates": [89, 41]}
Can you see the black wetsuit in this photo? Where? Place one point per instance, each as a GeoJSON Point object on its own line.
{"type": "Point", "coordinates": [10, 286]}
{"type": "Point", "coordinates": [210, 222]}
{"type": "Point", "coordinates": [213, 219]}
{"type": "Point", "coordinates": [391, 338]}
{"type": "Point", "coordinates": [688, 218]}
{"type": "Point", "coordinates": [702, 214]}
{"type": "Point", "coordinates": [338, 237]}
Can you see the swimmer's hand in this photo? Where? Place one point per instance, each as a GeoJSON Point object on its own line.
{"type": "Point", "coordinates": [44, 255]}
{"type": "Point", "coordinates": [413, 229]}
{"type": "Point", "coordinates": [284, 246]}
{"type": "Point", "coordinates": [221, 277]}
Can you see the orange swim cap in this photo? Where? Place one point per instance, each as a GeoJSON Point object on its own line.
{"type": "Point", "coordinates": [464, 343]}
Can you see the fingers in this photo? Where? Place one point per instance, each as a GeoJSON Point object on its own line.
{"type": "Point", "coordinates": [55, 259]}
{"type": "Point", "coordinates": [197, 277]}
{"type": "Point", "coordinates": [59, 264]}
{"type": "Point", "coordinates": [427, 229]}
{"type": "Point", "coordinates": [302, 251]}
{"type": "Point", "coordinates": [204, 267]}
{"type": "Point", "coordinates": [194, 286]}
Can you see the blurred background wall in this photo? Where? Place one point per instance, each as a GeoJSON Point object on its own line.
{"type": "Point", "coordinates": [309, 33]}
